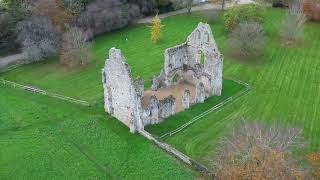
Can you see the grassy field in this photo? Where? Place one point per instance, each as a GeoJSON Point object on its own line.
{"type": "Point", "coordinates": [286, 91]}
{"type": "Point", "coordinates": [144, 57]}
{"type": "Point", "coordinates": [45, 138]}
{"type": "Point", "coordinates": [286, 87]}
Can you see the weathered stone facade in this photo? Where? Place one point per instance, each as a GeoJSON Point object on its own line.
{"type": "Point", "coordinates": [123, 95]}
{"type": "Point", "coordinates": [185, 60]}
{"type": "Point", "coordinates": [186, 99]}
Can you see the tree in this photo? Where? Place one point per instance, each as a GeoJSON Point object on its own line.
{"type": "Point", "coordinates": [257, 151]}
{"type": "Point", "coordinates": [183, 4]}
{"type": "Point", "coordinates": [102, 16]}
{"type": "Point", "coordinates": [75, 49]}
{"type": "Point", "coordinates": [293, 24]}
{"type": "Point", "coordinates": [11, 12]}
{"type": "Point", "coordinates": [155, 29]}
{"type": "Point", "coordinates": [241, 13]}
{"type": "Point", "coordinates": [38, 38]}
{"type": "Point", "coordinates": [54, 10]}
{"type": "Point", "coordinates": [246, 41]}
{"type": "Point", "coordinates": [314, 160]}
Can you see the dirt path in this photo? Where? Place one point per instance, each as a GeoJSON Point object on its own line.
{"type": "Point", "coordinates": [175, 90]}
{"type": "Point", "coordinates": [9, 60]}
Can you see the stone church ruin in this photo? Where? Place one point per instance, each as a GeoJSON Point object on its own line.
{"type": "Point", "coordinates": [184, 80]}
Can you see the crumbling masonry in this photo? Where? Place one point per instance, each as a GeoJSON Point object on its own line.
{"type": "Point", "coordinates": [123, 95]}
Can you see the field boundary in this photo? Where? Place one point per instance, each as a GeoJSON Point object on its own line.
{"type": "Point", "coordinates": [43, 92]}
{"type": "Point", "coordinates": [212, 109]}
{"type": "Point", "coordinates": [179, 155]}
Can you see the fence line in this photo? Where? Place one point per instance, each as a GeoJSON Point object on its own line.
{"type": "Point", "coordinates": [214, 108]}
{"type": "Point", "coordinates": [176, 153]}
{"type": "Point", "coordinates": [43, 92]}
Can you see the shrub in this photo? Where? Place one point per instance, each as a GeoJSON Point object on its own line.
{"type": "Point", "coordinates": [38, 38]}
{"type": "Point", "coordinates": [292, 26]}
{"type": "Point", "coordinates": [75, 49]}
{"type": "Point", "coordinates": [241, 13]}
{"type": "Point", "coordinates": [256, 151]}
{"type": "Point", "coordinates": [246, 41]}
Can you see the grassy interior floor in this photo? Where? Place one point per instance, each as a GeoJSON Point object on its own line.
{"type": "Point", "coordinates": [45, 138]}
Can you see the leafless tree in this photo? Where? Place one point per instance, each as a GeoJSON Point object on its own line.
{"type": "Point", "coordinates": [75, 49]}
{"type": "Point", "coordinates": [257, 151]}
{"type": "Point", "coordinates": [246, 40]}
{"type": "Point", "coordinates": [293, 24]}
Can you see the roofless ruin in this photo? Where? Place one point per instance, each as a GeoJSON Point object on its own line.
{"type": "Point", "coordinates": [184, 80]}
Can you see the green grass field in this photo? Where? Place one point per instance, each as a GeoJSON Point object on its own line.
{"type": "Point", "coordinates": [144, 57]}
{"type": "Point", "coordinates": [45, 138]}
{"type": "Point", "coordinates": [286, 91]}
{"type": "Point", "coordinates": [50, 138]}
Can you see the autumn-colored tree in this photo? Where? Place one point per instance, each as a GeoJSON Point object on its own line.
{"type": "Point", "coordinates": [55, 12]}
{"type": "Point", "coordinates": [155, 29]}
{"type": "Point", "coordinates": [254, 151]}
{"type": "Point", "coordinates": [314, 160]}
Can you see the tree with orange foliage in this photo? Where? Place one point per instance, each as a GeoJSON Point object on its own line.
{"type": "Point", "coordinates": [255, 151]}
{"type": "Point", "coordinates": [314, 160]}
{"type": "Point", "coordinates": [55, 12]}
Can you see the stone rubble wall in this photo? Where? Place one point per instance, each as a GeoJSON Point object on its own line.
{"type": "Point", "coordinates": [123, 95]}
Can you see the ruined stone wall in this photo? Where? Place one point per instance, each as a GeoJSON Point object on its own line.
{"type": "Point", "coordinates": [123, 95]}
{"type": "Point", "coordinates": [174, 58]}
{"type": "Point", "coordinates": [167, 107]}
{"type": "Point", "coordinates": [121, 98]}
{"type": "Point", "coordinates": [199, 43]}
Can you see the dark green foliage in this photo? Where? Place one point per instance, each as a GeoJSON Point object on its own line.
{"type": "Point", "coordinates": [241, 13]}
{"type": "Point", "coordinates": [11, 12]}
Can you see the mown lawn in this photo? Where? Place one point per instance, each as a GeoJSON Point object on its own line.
{"type": "Point", "coordinates": [286, 87]}
{"type": "Point", "coordinates": [45, 138]}
{"type": "Point", "coordinates": [286, 91]}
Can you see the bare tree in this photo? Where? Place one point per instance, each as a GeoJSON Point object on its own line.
{"type": "Point", "coordinates": [293, 24]}
{"type": "Point", "coordinates": [246, 40]}
{"type": "Point", "coordinates": [256, 151]}
{"type": "Point", "coordinates": [75, 49]}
